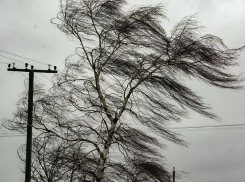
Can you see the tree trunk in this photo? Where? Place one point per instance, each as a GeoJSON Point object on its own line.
{"type": "Point", "coordinates": [104, 153]}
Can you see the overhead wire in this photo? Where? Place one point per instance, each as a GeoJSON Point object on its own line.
{"type": "Point", "coordinates": [11, 135]}
{"type": "Point", "coordinates": [173, 128]}
{"type": "Point", "coordinates": [8, 63]}
{"type": "Point", "coordinates": [46, 77]}
{"type": "Point", "coordinates": [12, 59]}
{"type": "Point", "coordinates": [180, 128]}
{"type": "Point", "coordinates": [207, 126]}
{"type": "Point", "coordinates": [22, 74]}
{"type": "Point", "coordinates": [25, 57]}
{"type": "Point", "coordinates": [23, 62]}
{"type": "Point", "coordinates": [3, 63]}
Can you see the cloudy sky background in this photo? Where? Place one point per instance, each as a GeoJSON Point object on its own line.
{"type": "Point", "coordinates": [213, 155]}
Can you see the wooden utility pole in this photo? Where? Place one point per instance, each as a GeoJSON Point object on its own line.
{"type": "Point", "coordinates": [173, 174]}
{"type": "Point", "coordinates": [30, 111]}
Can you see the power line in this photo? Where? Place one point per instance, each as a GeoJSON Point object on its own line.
{"type": "Point", "coordinates": [12, 59]}
{"type": "Point", "coordinates": [25, 58]}
{"type": "Point", "coordinates": [3, 63]}
{"type": "Point", "coordinates": [22, 74]}
{"type": "Point", "coordinates": [5, 133]}
{"type": "Point", "coordinates": [208, 126]}
{"type": "Point", "coordinates": [177, 128]}
{"type": "Point", "coordinates": [22, 63]}
{"type": "Point", "coordinates": [11, 135]}
{"type": "Point", "coordinates": [46, 77]}
{"type": "Point", "coordinates": [7, 64]}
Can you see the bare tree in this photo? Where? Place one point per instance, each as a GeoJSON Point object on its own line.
{"type": "Point", "coordinates": [102, 119]}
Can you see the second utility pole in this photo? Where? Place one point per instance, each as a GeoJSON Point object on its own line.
{"type": "Point", "coordinates": [30, 111]}
{"type": "Point", "coordinates": [173, 174]}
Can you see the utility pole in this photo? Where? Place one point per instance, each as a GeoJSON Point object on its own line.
{"type": "Point", "coordinates": [30, 111]}
{"type": "Point", "coordinates": [173, 174]}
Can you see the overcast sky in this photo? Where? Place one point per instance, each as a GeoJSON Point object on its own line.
{"type": "Point", "coordinates": [213, 155]}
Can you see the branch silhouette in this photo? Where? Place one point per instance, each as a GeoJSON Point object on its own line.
{"type": "Point", "coordinates": [126, 76]}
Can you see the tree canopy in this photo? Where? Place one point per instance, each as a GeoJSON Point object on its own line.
{"type": "Point", "coordinates": [104, 115]}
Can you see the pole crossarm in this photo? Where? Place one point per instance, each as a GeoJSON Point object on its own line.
{"type": "Point", "coordinates": [32, 70]}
